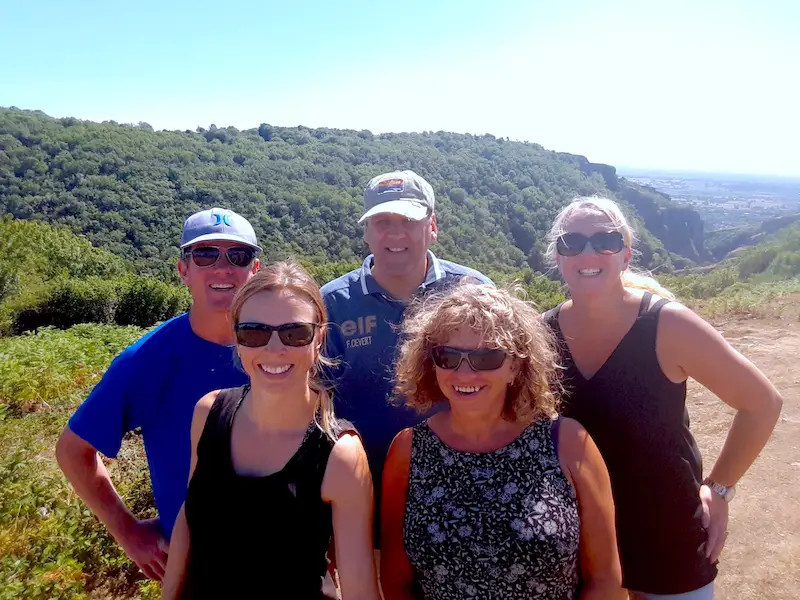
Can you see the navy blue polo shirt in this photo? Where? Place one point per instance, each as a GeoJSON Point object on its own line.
{"type": "Point", "coordinates": [363, 336]}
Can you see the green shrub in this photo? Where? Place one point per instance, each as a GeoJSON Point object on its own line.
{"type": "Point", "coordinates": [144, 301]}
{"type": "Point", "coordinates": [130, 300]}
{"type": "Point", "coordinates": [69, 302]}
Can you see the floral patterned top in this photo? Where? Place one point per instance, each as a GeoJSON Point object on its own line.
{"type": "Point", "coordinates": [499, 525]}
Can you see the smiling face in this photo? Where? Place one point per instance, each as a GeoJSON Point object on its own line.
{"type": "Point", "coordinates": [276, 366]}
{"type": "Point", "coordinates": [399, 245]}
{"type": "Point", "coordinates": [214, 287]}
{"type": "Point", "coordinates": [590, 274]}
{"type": "Point", "coordinates": [474, 391]}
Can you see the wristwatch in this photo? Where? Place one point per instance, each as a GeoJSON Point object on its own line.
{"type": "Point", "coordinates": [726, 491]}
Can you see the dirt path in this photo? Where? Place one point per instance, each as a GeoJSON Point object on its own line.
{"type": "Point", "coordinates": [762, 558]}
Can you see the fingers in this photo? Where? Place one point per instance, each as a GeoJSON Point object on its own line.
{"type": "Point", "coordinates": [706, 516]}
{"type": "Point", "coordinates": [717, 547]}
{"type": "Point", "coordinates": [159, 559]}
{"type": "Point", "coordinates": [152, 571]}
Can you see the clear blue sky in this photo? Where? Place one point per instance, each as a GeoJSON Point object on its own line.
{"type": "Point", "coordinates": [706, 85]}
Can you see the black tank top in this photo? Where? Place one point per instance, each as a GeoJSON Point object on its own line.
{"type": "Point", "coordinates": [256, 537]}
{"type": "Point", "coordinates": [639, 421]}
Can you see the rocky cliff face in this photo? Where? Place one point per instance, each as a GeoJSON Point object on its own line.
{"type": "Point", "coordinates": [608, 172]}
{"type": "Point", "coordinates": [679, 227]}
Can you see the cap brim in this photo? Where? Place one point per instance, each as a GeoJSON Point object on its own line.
{"type": "Point", "coordinates": [405, 208]}
{"type": "Point", "coordinates": [219, 237]}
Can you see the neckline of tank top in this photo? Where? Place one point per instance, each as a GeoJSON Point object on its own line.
{"type": "Point", "coordinates": [293, 458]}
{"type": "Point", "coordinates": [646, 309]}
{"type": "Point", "coordinates": [499, 450]}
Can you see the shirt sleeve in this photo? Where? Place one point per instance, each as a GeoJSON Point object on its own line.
{"type": "Point", "coordinates": [108, 413]}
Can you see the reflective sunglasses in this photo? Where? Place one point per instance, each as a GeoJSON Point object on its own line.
{"type": "Point", "coordinates": [256, 335]}
{"type": "Point", "coordinates": [483, 359]}
{"type": "Point", "coordinates": [207, 256]}
{"type": "Point", "coordinates": [602, 242]}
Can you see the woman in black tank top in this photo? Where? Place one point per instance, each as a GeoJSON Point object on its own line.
{"type": "Point", "coordinates": [274, 474]}
{"type": "Point", "coordinates": [627, 356]}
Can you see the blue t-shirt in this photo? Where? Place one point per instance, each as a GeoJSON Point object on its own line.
{"type": "Point", "coordinates": [154, 384]}
{"type": "Point", "coordinates": [363, 336]}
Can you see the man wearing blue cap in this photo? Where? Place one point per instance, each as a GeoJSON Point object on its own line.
{"type": "Point", "coordinates": [367, 304]}
{"type": "Point", "coordinates": [154, 385]}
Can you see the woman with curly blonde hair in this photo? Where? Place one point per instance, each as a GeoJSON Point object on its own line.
{"type": "Point", "coordinates": [493, 496]}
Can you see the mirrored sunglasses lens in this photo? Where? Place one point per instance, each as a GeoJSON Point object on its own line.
{"type": "Point", "coordinates": [299, 334]}
{"type": "Point", "coordinates": [445, 358]}
{"type": "Point", "coordinates": [240, 257]}
{"type": "Point", "coordinates": [487, 360]}
{"type": "Point", "coordinates": [571, 244]}
{"type": "Point", "coordinates": [205, 257]}
{"type": "Point", "coordinates": [253, 338]}
{"type": "Point", "coordinates": [608, 243]}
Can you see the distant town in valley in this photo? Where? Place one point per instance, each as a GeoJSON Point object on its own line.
{"type": "Point", "coordinates": [725, 200]}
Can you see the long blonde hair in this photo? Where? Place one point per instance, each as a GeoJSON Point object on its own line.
{"type": "Point", "coordinates": [631, 278]}
{"type": "Point", "coordinates": [290, 276]}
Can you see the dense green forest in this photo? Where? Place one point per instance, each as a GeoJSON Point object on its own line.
{"type": "Point", "coordinates": [128, 189]}
{"type": "Point", "coordinates": [89, 212]}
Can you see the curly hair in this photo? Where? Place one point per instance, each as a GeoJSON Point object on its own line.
{"type": "Point", "coordinates": [504, 320]}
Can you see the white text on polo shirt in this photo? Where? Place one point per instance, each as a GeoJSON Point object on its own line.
{"type": "Point", "coordinates": [363, 327]}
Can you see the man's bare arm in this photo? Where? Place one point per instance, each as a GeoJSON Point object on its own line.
{"type": "Point", "coordinates": [142, 541]}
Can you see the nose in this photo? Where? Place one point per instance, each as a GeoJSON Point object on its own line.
{"type": "Point", "coordinates": [588, 248]}
{"type": "Point", "coordinates": [275, 344]}
{"type": "Point", "coordinates": [464, 368]}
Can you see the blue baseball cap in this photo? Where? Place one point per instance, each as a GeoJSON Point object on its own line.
{"type": "Point", "coordinates": [218, 224]}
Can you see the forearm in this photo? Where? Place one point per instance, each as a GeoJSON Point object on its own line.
{"type": "Point", "coordinates": [747, 437]}
{"type": "Point", "coordinates": [88, 476]}
{"type": "Point", "coordinates": [177, 563]}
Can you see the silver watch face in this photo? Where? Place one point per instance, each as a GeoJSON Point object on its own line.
{"type": "Point", "coordinates": [730, 493]}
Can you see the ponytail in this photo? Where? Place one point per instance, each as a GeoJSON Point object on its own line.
{"type": "Point", "coordinates": [640, 281]}
{"type": "Point", "coordinates": [325, 413]}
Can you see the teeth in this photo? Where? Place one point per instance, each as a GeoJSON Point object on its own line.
{"type": "Point", "coordinates": [466, 390]}
{"type": "Point", "coordinates": [589, 271]}
{"type": "Point", "coordinates": [222, 286]}
{"type": "Point", "coordinates": [275, 370]}
{"type": "Point", "coordinates": [396, 249]}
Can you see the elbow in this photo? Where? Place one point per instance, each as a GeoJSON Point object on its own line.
{"type": "Point", "coordinates": [72, 452]}
{"type": "Point", "coordinates": [777, 404]}
{"type": "Point", "coordinates": [63, 453]}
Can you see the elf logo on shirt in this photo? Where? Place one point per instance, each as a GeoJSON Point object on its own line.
{"type": "Point", "coordinates": [361, 327]}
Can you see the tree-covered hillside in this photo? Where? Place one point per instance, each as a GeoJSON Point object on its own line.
{"type": "Point", "coordinates": [129, 188]}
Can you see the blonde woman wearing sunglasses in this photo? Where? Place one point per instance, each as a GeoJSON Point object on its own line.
{"type": "Point", "coordinates": [493, 497]}
{"type": "Point", "coordinates": [628, 350]}
{"type": "Point", "coordinates": [273, 473]}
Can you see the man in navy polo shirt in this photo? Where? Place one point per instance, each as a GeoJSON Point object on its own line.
{"type": "Point", "coordinates": [155, 383]}
{"type": "Point", "coordinates": [367, 304]}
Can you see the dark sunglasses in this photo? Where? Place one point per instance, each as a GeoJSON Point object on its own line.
{"type": "Point", "coordinates": [602, 242]}
{"type": "Point", "coordinates": [256, 335]}
{"type": "Point", "coordinates": [483, 359]}
{"type": "Point", "coordinates": [207, 256]}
